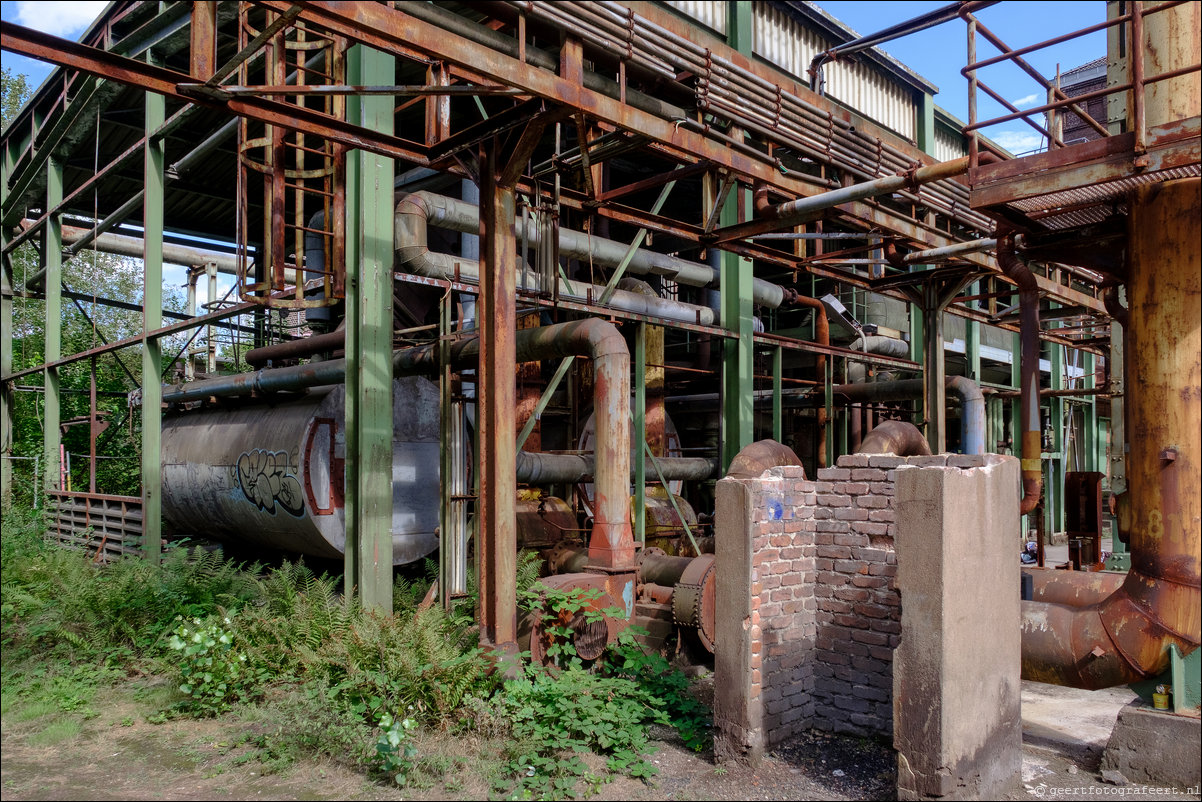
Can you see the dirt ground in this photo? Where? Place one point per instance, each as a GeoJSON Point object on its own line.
{"type": "Point", "coordinates": [118, 754]}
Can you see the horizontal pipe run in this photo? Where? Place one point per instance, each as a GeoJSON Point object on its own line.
{"type": "Point", "coordinates": [972, 420]}
{"type": "Point", "coordinates": [419, 209]}
{"type": "Point", "coordinates": [541, 468]}
{"type": "Point", "coordinates": [800, 209]}
{"type": "Point", "coordinates": [948, 252]}
{"type": "Point", "coordinates": [296, 349]}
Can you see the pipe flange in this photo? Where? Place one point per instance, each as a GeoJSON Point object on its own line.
{"type": "Point", "coordinates": [693, 600]}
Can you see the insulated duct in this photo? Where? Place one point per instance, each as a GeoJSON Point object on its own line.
{"type": "Point", "coordinates": [420, 209]}
{"type": "Point", "coordinates": [972, 413]}
{"type": "Point", "coordinates": [612, 543]}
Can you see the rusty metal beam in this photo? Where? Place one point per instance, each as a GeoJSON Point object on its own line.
{"type": "Point", "coordinates": [496, 545]}
{"type": "Point", "coordinates": [181, 86]}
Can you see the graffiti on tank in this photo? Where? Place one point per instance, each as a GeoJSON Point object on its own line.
{"type": "Point", "coordinates": [265, 481]}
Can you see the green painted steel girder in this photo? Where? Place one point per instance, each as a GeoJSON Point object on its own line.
{"type": "Point", "coordinates": [52, 255]}
{"type": "Point", "coordinates": [152, 318]}
{"type": "Point", "coordinates": [369, 254]}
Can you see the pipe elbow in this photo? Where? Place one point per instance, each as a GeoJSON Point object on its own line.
{"type": "Point", "coordinates": [1124, 638]}
{"type": "Point", "coordinates": [1013, 267]}
{"type": "Point", "coordinates": [601, 339]}
{"type": "Point", "coordinates": [896, 437]}
{"type": "Point", "coordinates": [763, 207]}
{"type": "Point", "coordinates": [893, 256]}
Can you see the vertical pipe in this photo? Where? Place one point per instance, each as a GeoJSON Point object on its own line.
{"type": "Point", "coordinates": [447, 551]}
{"type": "Point", "coordinates": [777, 360]}
{"type": "Point", "coordinates": [497, 541]}
{"type": "Point", "coordinates": [210, 342]}
{"type": "Point", "coordinates": [640, 432]}
{"type": "Point", "coordinates": [1028, 434]}
{"type": "Point", "coordinates": [1164, 372]}
{"type": "Point", "coordinates": [369, 325]}
{"type": "Point", "coordinates": [52, 254]}
{"type": "Point", "coordinates": [974, 137]}
{"type": "Point", "coordinates": [1137, 76]}
{"type": "Point", "coordinates": [933, 369]}
{"type": "Point", "coordinates": [822, 335]}
{"type": "Point", "coordinates": [6, 364]}
{"type": "Point", "coordinates": [152, 318]}
{"type": "Point", "coordinates": [93, 429]}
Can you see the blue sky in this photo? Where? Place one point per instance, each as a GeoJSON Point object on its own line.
{"type": "Point", "coordinates": [939, 53]}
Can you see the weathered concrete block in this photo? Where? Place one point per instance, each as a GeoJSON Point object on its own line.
{"type": "Point", "coordinates": [1155, 747]}
{"type": "Point", "coordinates": [957, 725]}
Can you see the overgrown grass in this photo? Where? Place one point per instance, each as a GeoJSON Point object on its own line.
{"type": "Point", "coordinates": [307, 673]}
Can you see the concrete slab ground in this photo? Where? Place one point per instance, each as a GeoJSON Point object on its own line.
{"type": "Point", "coordinates": [1065, 731]}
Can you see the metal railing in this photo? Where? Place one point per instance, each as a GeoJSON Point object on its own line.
{"type": "Point", "coordinates": [1133, 19]}
{"type": "Point", "coordinates": [104, 526]}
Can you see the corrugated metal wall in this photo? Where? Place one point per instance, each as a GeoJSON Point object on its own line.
{"type": "Point", "coordinates": [780, 39]}
{"type": "Point", "coordinates": [711, 13]}
{"type": "Point", "coordinates": [790, 45]}
{"type": "Point", "coordinates": [948, 144]}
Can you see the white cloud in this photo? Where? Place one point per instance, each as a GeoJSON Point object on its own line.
{"type": "Point", "coordinates": [1029, 100]}
{"type": "Point", "coordinates": [58, 18]}
{"type": "Point", "coordinates": [1018, 141]}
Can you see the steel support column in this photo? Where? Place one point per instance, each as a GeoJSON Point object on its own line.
{"type": "Point", "coordinates": [6, 349]}
{"type": "Point", "coordinates": [640, 433]}
{"type": "Point", "coordinates": [738, 354]}
{"type": "Point", "coordinates": [934, 401]}
{"type": "Point", "coordinates": [52, 258]}
{"type": "Point", "coordinates": [496, 546]}
{"type": "Point", "coordinates": [368, 555]}
{"type": "Point", "coordinates": [154, 181]}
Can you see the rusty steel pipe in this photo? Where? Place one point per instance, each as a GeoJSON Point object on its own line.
{"type": "Point", "coordinates": [1126, 636]}
{"type": "Point", "coordinates": [296, 349]}
{"type": "Point", "coordinates": [542, 468]}
{"type": "Point", "coordinates": [799, 210]}
{"type": "Point", "coordinates": [1028, 299]}
{"type": "Point", "coordinates": [896, 437]}
{"type": "Point", "coordinates": [1072, 588]}
{"type": "Point", "coordinates": [822, 335]}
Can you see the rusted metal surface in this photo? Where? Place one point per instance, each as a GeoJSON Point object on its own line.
{"type": "Point", "coordinates": [1125, 636]}
{"type": "Point", "coordinates": [822, 336]}
{"type": "Point", "coordinates": [1029, 437]}
{"type": "Point", "coordinates": [897, 437]}
{"type": "Point", "coordinates": [496, 540]}
{"type": "Point", "coordinates": [296, 349]}
{"type": "Point", "coordinates": [758, 457]}
{"type": "Point", "coordinates": [176, 85]}
{"type": "Point", "coordinates": [543, 520]}
{"type": "Point", "coordinates": [105, 526]}
{"type": "Point", "coordinates": [1072, 588]}
{"type": "Point", "coordinates": [693, 599]}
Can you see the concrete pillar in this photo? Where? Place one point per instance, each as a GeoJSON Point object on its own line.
{"type": "Point", "coordinates": [957, 724]}
{"type": "Point", "coordinates": [738, 708]}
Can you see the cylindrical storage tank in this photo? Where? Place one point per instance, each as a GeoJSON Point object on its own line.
{"type": "Point", "coordinates": [271, 474]}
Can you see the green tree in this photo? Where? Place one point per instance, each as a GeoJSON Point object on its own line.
{"type": "Point", "coordinates": [85, 323]}
{"type": "Point", "coordinates": [15, 92]}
